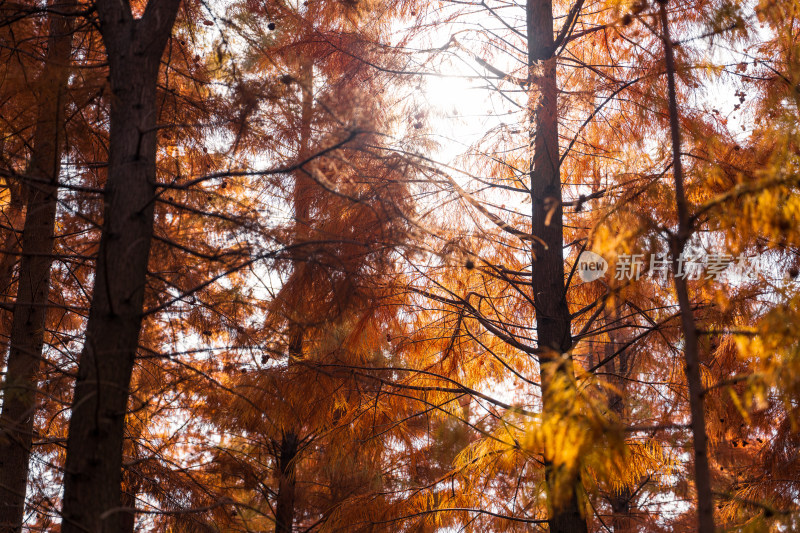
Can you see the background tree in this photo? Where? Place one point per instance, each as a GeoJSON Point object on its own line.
{"type": "Point", "coordinates": [33, 287]}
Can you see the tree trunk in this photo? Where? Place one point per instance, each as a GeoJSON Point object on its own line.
{"type": "Point", "coordinates": [33, 290]}
{"type": "Point", "coordinates": [618, 371]}
{"type": "Point", "coordinates": [93, 472]}
{"type": "Point", "coordinates": [549, 292]}
{"type": "Point", "coordinates": [702, 476]}
{"type": "Point", "coordinates": [284, 507]}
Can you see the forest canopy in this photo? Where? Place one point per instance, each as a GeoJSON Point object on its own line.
{"type": "Point", "coordinates": [399, 266]}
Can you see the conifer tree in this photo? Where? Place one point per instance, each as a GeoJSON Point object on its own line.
{"type": "Point", "coordinates": [93, 466]}
{"type": "Point", "coordinates": [40, 185]}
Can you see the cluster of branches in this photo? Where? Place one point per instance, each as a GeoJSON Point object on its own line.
{"type": "Point", "coordinates": [240, 293]}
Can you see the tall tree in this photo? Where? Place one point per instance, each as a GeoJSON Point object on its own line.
{"type": "Point", "coordinates": [553, 324]}
{"type": "Point", "coordinates": [33, 290]}
{"type": "Point", "coordinates": [705, 504]}
{"type": "Point", "coordinates": [287, 448]}
{"type": "Point", "coordinates": [93, 466]}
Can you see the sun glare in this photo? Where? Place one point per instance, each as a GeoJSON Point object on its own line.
{"type": "Point", "coordinates": [462, 109]}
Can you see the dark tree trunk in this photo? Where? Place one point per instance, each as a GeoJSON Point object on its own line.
{"type": "Point", "coordinates": [285, 504]}
{"type": "Point", "coordinates": [549, 293]}
{"type": "Point", "coordinates": [286, 455]}
{"type": "Point", "coordinates": [702, 476]}
{"type": "Point", "coordinates": [93, 471]}
{"type": "Point", "coordinates": [33, 289]}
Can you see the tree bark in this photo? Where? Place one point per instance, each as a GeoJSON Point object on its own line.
{"type": "Point", "coordinates": [702, 476]}
{"type": "Point", "coordinates": [33, 290]}
{"type": "Point", "coordinates": [285, 504]}
{"type": "Point", "coordinates": [549, 292]}
{"type": "Point", "coordinates": [93, 471]}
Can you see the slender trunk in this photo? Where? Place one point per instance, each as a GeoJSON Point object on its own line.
{"type": "Point", "coordinates": [285, 506]}
{"type": "Point", "coordinates": [33, 290]}
{"type": "Point", "coordinates": [702, 477]}
{"type": "Point", "coordinates": [93, 471]}
{"type": "Point", "coordinates": [549, 293]}
{"type": "Point", "coordinates": [617, 370]}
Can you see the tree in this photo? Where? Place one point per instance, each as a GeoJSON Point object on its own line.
{"type": "Point", "coordinates": [94, 459]}
{"type": "Point", "coordinates": [30, 309]}
{"type": "Point", "coordinates": [347, 209]}
{"type": "Point", "coordinates": [705, 509]}
{"type": "Point", "coordinates": [553, 325]}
